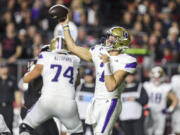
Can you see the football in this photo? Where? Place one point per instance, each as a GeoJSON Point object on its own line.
{"type": "Point", "coordinates": [58, 12]}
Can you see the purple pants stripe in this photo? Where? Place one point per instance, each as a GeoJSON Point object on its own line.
{"type": "Point", "coordinates": [110, 112]}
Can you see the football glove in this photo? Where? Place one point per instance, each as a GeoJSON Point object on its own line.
{"type": "Point", "coordinates": [168, 110]}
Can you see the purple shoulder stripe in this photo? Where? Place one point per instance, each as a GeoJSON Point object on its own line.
{"type": "Point", "coordinates": [92, 48]}
{"type": "Point", "coordinates": [40, 56]}
{"type": "Point", "coordinates": [131, 65]}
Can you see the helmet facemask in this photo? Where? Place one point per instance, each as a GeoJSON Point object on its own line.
{"type": "Point", "coordinates": [157, 75]}
{"type": "Point", "coordinates": [121, 39]}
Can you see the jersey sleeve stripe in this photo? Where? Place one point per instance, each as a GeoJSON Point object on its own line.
{"type": "Point", "coordinates": [92, 48]}
{"type": "Point", "coordinates": [40, 56]}
{"type": "Point", "coordinates": [131, 65]}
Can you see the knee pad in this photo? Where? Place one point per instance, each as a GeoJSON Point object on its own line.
{"type": "Point", "coordinates": [25, 129]}
{"type": "Point", "coordinates": [77, 134]}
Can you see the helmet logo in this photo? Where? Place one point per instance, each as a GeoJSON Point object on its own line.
{"type": "Point", "coordinates": [125, 34]}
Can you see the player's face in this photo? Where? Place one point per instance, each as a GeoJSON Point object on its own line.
{"type": "Point", "coordinates": [157, 80]}
{"type": "Point", "coordinates": [111, 40]}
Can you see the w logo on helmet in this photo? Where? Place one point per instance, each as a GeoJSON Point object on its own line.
{"type": "Point", "coordinates": [125, 34]}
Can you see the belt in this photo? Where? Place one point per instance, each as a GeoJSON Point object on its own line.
{"type": "Point", "coordinates": [4, 104]}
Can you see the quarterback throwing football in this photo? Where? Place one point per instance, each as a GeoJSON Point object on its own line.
{"type": "Point", "coordinates": [112, 66]}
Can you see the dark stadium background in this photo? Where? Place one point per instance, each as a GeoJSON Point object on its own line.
{"type": "Point", "coordinates": [150, 22]}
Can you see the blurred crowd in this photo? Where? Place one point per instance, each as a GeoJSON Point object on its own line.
{"type": "Point", "coordinates": [154, 25]}
{"type": "Point", "coordinates": [25, 27]}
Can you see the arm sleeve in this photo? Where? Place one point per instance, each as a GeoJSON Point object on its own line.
{"type": "Point", "coordinates": [143, 99]}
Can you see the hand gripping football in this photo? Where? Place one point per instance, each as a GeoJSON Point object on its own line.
{"type": "Point", "coordinates": [58, 12]}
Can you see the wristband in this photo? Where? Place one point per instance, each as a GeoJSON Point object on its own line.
{"type": "Point", "coordinates": [66, 27]}
{"type": "Point", "coordinates": [107, 70]}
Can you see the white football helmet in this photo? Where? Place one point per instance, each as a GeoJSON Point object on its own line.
{"type": "Point", "coordinates": [58, 45]}
{"type": "Point", "coordinates": [157, 75]}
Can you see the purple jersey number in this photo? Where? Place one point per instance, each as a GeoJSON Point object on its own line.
{"type": "Point", "coordinates": [101, 79]}
{"type": "Point", "coordinates": [59, 67]}
{"type": "Point", "coordinates": [155, 97]}
{"type": "Point", "coordinates": [68, 73]}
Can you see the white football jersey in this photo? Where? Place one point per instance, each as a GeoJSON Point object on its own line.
{"type": "Point", "coordinates": [175, 83]}
{"type": "Point", "coordinates": [59, 74]}
{"type": "Point", "coordinates": [157, 95]}
{"type": "Point", "coordinates": [121, 62]}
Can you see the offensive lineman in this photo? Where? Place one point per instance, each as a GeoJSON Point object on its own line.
{"type": "Point", "coordinates": [32, 92]}
{"type": "Point", "coordinates": [59, 71]}
{"type": "Point", "coordinates": [112, 66]}
{"type": "Point", "coordinates": [158, 92]}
